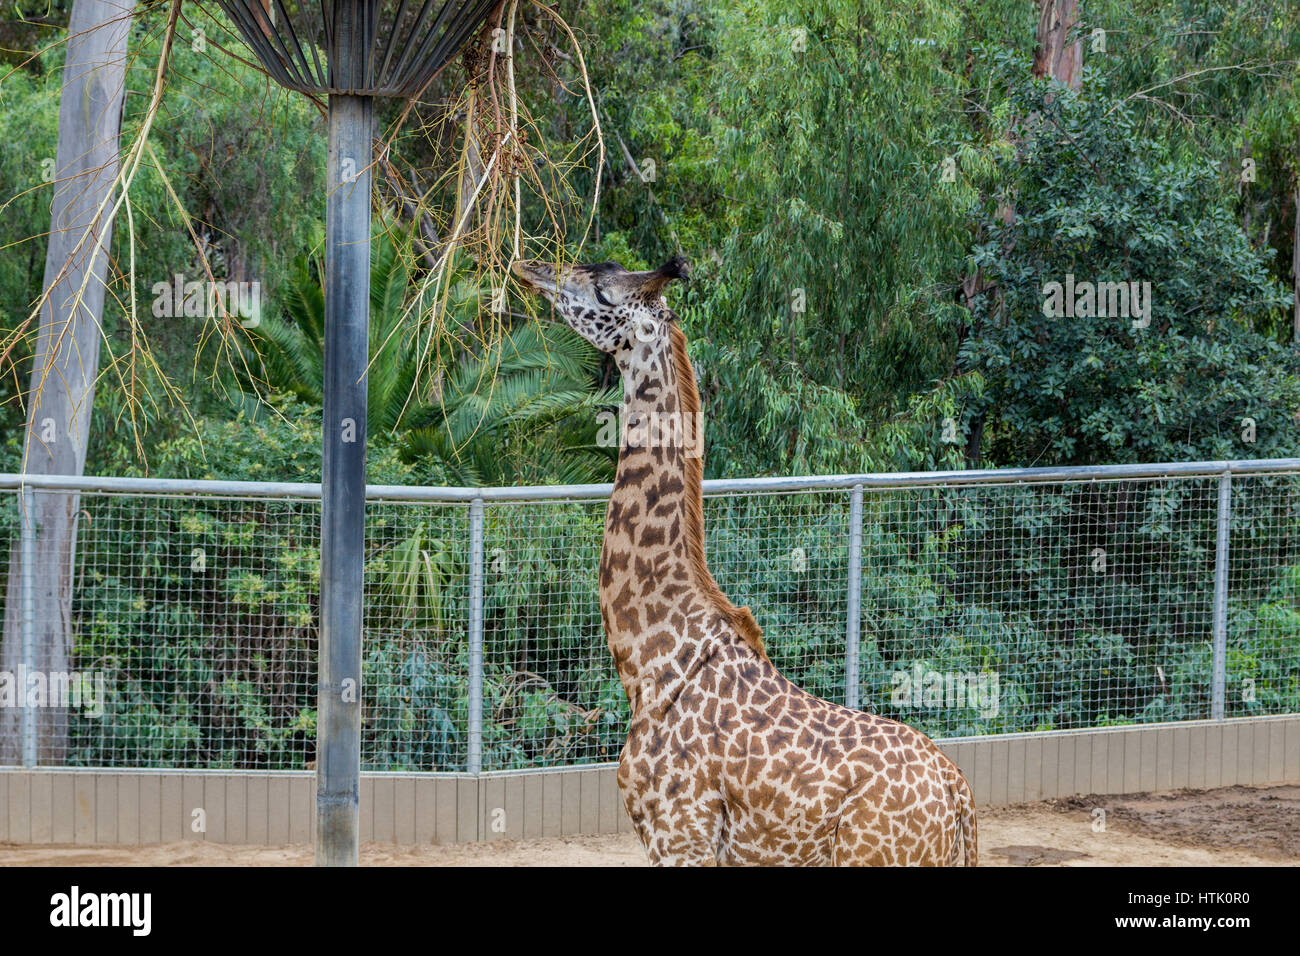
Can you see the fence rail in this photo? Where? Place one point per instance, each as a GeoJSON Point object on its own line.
{"type": "Point", "coordinates": [965, 603]}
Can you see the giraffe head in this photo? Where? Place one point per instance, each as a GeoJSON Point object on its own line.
{"type": "Point", "coordinates": [607, 305]}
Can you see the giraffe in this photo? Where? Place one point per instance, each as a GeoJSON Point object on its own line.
{"type": "Point", "coordinates": [726, 761]}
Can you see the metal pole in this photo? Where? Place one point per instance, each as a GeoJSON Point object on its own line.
{"type": "Point", "coordinates": [851, 678]}
{"type": "Point", "coordinates": [1219, 677]}
{"type": "Point", "coordinates": [343, 479]}
{"type": "Point", "coordinates": [27, 722]}
{"type": "Point", "coordinates": [474, 763]}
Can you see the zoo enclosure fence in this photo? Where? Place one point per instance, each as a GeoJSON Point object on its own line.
{"type": "Point", "coordinates": [964, 603]}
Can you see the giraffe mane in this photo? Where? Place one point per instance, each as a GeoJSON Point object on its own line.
{"type": "Point", "coordinates": [688, 400]}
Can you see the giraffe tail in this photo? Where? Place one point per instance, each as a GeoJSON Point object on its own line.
{"type": "Point", "coordinates": [966, 819]}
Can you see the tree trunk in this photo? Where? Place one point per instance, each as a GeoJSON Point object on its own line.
{"type": "Point", "coordinates": [66, 361]}
{"type": "Point", "coordinates": [1295, 264]}
{"type": "Point", "coordinates": [1059, 57]}
{"type": "Point", "coordinates": [1059, 53]}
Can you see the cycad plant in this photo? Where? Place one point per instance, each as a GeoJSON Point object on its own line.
{"type": "Point", "coordinates": [291, 348]}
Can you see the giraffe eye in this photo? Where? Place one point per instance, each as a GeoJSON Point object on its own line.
{"type": "Point", "coordinates": [600, 297]}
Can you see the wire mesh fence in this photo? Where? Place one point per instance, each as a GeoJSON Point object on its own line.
{"type": "Point", "coordinates": [981, 607]}
{"type": "Point", "coordinates": [1052, 605]}
{"type": "Point", "coordinates": [200, 615]}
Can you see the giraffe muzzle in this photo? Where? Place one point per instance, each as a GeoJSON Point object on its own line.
{"type": "Point", "coordinates": [535, 276]}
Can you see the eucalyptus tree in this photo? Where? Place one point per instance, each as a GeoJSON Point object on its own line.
{"type": "Point", "coordinates": [66, 357]}
{"type": "Point", "coordinates": [842, 129]}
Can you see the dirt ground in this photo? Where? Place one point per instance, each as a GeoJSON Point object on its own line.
{"type": "Point", "coordinates": [1234, 826]}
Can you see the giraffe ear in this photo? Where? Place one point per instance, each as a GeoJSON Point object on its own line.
{"type": "Point", "coordinates": [678, 267]}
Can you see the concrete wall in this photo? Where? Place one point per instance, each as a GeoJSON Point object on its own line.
{"type": "Point", "coordinates": [147, 806]}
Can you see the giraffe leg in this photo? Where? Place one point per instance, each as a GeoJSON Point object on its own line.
{"type": "Point", "coordinates": [678, 834]}
{"type": "Point", "coordinates": [669, 850]}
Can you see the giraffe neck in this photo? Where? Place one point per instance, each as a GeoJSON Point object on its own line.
{"type": "Point", "coordinates": [653, 566]}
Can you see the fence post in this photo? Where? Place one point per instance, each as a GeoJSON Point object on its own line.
{"type": "Point", "coordinates": [27, 644]}
{"type": "Point", "coordinates": [475, 758]}
{"type": "Point", "coordinates": [851, 678]}
{"type": "Point", "coordinates": [1219, 676]}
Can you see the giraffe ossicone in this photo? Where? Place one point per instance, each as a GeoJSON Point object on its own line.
{"type": "Point", "coordinates": [726, 760]}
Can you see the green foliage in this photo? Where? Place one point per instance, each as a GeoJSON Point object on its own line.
{"type": "Point", "coordinates": [1098, 200]}
{"type": "Point", "coordinates": [29, 112]}
{"type": "Point", "coordinates": [280, 446]}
